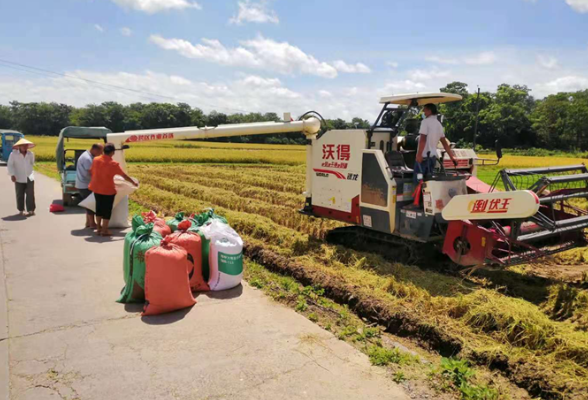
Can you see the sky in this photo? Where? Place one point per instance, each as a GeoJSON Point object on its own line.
{"type": "Point", "coordinates": [334, 57]}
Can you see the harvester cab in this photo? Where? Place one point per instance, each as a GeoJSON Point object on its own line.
{"type": "Point", "coordinates": [366, 177]}
{"type": "Point", "coordinates": [67, 159]}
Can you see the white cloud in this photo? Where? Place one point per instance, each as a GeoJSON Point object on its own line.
{"type": "Point", "coordinates": [425, 75]}
{"type": "Point", "coordinates": [358, 68]}
{"type": "Point", "coordinates": [99, 28]}
{"type": "Point", "coordinates": [126, 31]}
{"type": "Point", "coordinates": [548, 62]}
{"type": "Point", "coordinates": [484, 58]}
{"type": "Point", "coordinates": [254, 12]}
{"type": "Point", "coordinates": [580, 6]}
{"type": "Point", "coordinates": [570, 83]}
{"type": "Point", "coordinates": [392, 64]}
{"type": "Point", "coordinates": [325, 93]}
{"type": "Point", "coordinates": [259, 53]}
{"type": "Point", "coordinates": [155, 6]}
{"type": "Point", "coordinates": [402, 86]}
{"type": "Point", "coordinates": [441, 60]}
{"type": "Point", "coordinates": [247, 93]}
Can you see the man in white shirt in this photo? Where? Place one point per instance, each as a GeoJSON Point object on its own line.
{"type": "Point", "coordinates": [20, 169]}
{"type": "Point", "coordinates": [431, 132]}
{"type": "Point", "coordinates": [83, 177]}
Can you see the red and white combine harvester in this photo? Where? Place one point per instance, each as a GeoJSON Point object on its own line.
{"type": "Point", "coordinates": [364, 177]}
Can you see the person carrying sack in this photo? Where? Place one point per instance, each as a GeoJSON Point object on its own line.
{"type": "Point", "coordinates": [20, 168]}
{"type": "Point", "coordinates": [103, 170]}
{"type": "Point", "coordinates": [83, 177]}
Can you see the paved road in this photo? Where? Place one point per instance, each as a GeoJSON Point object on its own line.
{"type": "Point", "coordinates": [62, 335]}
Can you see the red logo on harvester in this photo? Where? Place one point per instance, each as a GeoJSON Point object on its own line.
{"type": "Point", "coordinates": [494, 206]}
{"type": "Point", "coordinates": [328, 151]}
{"type": "Point", "coordinates": [146, 138]}
{"type": "Point", "coordinates": [341, 151]}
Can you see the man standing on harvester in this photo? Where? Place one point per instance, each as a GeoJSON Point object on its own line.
{"type": "Point", "coordinates": [431, 132]}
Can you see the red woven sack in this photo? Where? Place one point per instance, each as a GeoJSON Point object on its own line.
{"type": "Point", "coordinates": [159, 224]}
{"type": "Point", "coordinates": [167, 286]}
{"type": "Point", "coordinates": [191, 242]}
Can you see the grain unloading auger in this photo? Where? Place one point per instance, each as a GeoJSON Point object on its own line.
{"type": "Point", "coordinates": [364, 177]}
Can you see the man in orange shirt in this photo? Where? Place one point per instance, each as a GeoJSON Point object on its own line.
{"type": "Point", "coordinates": [104, 168]}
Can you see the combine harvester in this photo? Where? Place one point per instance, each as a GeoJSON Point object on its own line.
{"type": "Point", "coordinates": [365, 178]}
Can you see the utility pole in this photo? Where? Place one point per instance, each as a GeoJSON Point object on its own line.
{"type": "Point", "coordinates": [477, 118]}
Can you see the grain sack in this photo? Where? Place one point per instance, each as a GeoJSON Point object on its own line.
{"type": "Point", "coordinates": [192, 243]}
{"type": "Point", "coordinates": [137, 242]}
{"type": "Point", "coordinates": [226, 262]}
{"type": "Point", "coordinates": [205, 247]}
{"type": "Point", "coordinates": [120, 214]}
{"type": "Point", "coordinates": [167, 287]}
{"type": "Point", "coordinates": [123, 189]}
{"type": "Point", "coordinates": [211, 226]}
{"type": "Point", "coordinates": [173, 223]}
{"type": "Point", "coordinates": [202, 218]}
{"type": "Point", "coordinates": [159, 224]}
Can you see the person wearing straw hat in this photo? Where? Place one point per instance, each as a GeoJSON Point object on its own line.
{"type": "Point", "coordinates": [20, 169]}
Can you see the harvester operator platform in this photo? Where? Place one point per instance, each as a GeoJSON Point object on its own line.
{"type": "Point", "coordinates": [431, 132]}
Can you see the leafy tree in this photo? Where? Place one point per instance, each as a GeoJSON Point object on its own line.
{"type": "Point", "coordinates": [91, 115]}
{"type": "Point", "coordinates": [40, 118]}
{"type": "Point", "coordinates": [5, 117]}
{"type": "Point", "coordinates": [507, 118]}
{"type": "Point", "coordinates": [215, 118]}
{"type": "Point", "coordinates": [358, 123]}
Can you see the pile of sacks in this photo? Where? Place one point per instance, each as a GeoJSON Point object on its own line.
{"type": "Point", "coordinates": [165, 261]}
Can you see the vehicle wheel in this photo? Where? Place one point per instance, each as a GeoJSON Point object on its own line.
{"type": "Point", "coordinates": [67, 200]}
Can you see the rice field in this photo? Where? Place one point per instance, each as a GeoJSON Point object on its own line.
{"type": "Point", "coordinates": [540, 344]}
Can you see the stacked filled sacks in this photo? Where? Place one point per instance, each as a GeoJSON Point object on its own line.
{"type": "Point", "coordinates": [167, 284]}
{"type": "Point", "coordinates": [173, 223]}
{"type": "Point", "coordinates": [138, 241]}
{"type": "Point", "coordinates": [159, 224]}
{"type": "Point", "coordinates": [225, 254]}
{"type": "Point", "coordinates": [191, 242]}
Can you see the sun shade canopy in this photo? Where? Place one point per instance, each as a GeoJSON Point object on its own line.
{"type": "Point", "coordinates": [76, 132]}
{"type": "Point", "coordinates": [421, 98]}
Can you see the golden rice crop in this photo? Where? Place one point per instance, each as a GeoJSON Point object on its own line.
{"type": "Point", "coordinates": [176, 151]}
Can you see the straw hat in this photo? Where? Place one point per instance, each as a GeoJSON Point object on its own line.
{"type": "Point", "coordinates": [23, 142]}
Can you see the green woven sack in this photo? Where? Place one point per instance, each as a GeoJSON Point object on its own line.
{"type": "Point", "coordinates": [137, 242]}
{"type": "Point", "coordinates": [174, 222]}
{"type": "Point", "coordinates": [203, 218]}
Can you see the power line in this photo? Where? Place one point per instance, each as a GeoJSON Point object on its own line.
{"type": "Point", "coordinates": [42, 71]}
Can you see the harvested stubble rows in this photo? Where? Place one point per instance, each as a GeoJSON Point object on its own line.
{"type": "Point", "coordinates": [548, 357]}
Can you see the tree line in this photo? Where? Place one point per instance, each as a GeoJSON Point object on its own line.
{"type": "Point", "coordinates": [517, 120]}
{"type": "Point", "coordinates": [510, 115]}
